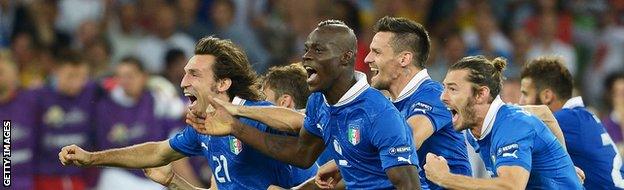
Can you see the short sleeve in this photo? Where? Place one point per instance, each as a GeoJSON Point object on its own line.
{"type": "Point", "coordinates": [392, 137]}
{"type": "Point", "coordinates": [514, 145]}
{"type": "Point", "coordinates": [311, 121]}
{"type": "Point", "coordinates": [186, 142]}
{"type": "Point", "coordinates": [438, 114]}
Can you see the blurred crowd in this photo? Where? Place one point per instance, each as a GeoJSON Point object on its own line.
{"type": "Point", "coordinates": [114, 56]}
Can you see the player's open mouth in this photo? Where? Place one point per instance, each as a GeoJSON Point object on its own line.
{"type": "Point", "coordinates": [374, 71]}
{"type": "Point", "coordinates": [455, 115]}
{"type": "Point", "coordinates": [191, 98]}
{"type": "Point", "coordinates": [312, 73]}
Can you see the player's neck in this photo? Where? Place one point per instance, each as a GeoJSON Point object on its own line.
{"type": "Point", "coordinates": [405, 76]}
{"type": "Point", "coordinates": [340, 87]}
{"type": "Point", "coordinates": [481, 110]}
{"type": "Point", "coordinates": [556, 105]}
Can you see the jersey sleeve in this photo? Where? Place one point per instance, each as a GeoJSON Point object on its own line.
{"type": "Point", "coordinates": [390, 134]}
{"type": "Point", "coordinates": [310, 121]}
{"type": "Point", "coordinates": [438, 114]}
{"type": "Point", "coordinates": [514, 144]}
{"type": "Point", "coordinates": [186, 142]}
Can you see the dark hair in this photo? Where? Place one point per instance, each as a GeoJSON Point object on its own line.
{"type": "Point", "coordinates": [231, 62]}
{"type": "Point", "coordinates": [291, 80]}
{"type": "Point", "coordinates": [483, 72]}
{"type": "Point", "coordinates": [408, 36]}
{"type": "Point", "coordinates": [130, 60]}
{"type": "Point", "coordinates": [69, 57]}
{"type": "Point", "coordinates": [549, 72]}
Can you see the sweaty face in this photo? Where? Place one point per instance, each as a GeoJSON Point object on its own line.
{"type": "Point", "coordinates": [131, 79]}
{"type": "Point", "coordinates": [459, 97]}
{"type": "Point", "coordinates": [199, 82]}
{"type": "Point", "coordinates": [321, 60]}
{"type": "Point", "coordinates": [529, 93]}
{"type": "Point", "coordinates": [71, 78]}
{"type": "Point", "coordinates": [382, 61]}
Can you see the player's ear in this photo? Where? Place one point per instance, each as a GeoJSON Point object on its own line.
{"type": "Point", "coordinates": [482, 94]}
{"type": "Point", "coordinates": [405, 58]}
{"type": "Point", "coordinates": [224, 84]}
{"type": "Point", "coordinates": [286, 101]}
{"type": "Point", "coordinates": [547, 96]}
{"type": "Point", "coordinates": [347, 57]}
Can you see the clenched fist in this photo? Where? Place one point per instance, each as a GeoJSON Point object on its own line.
{"type": "Point", "coordinates": [74, 155]}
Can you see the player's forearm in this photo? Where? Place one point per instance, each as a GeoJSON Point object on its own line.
{"type": "Point", "coordinates": [178, 183]}
{"type": "Point", "coordinates": [283, 148]}
{"type": "Point", "coordinates": [553, 125]}
{"type": "Point", "coordinates": [145, 155]}
{"type": "Point", "coordinates": [455, 181]}
{"type": "Point", "coordinates": [278, 118]}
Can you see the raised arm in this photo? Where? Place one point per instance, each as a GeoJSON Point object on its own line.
{"type": "Point", "coordinates": [145, 155]}
{"type": "Point", "coordinates": [509, 177]}
{"type": "Point", "coordinates": [279, 118]}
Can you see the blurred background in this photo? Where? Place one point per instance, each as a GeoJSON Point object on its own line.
{"type": "Point", "coordinates": [106, 73]}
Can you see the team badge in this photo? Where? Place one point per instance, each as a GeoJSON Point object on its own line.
{"type": "Point", "coordinates": [354, 134]}
{"type": "Point", "coordinates": [236, 146]}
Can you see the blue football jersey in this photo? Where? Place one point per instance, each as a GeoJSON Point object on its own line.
{"type": "Point", "coordinates": [364, 133]}
{"type": "Point", "coordinates": [513, 137]}
{"type": "Point", "coordinates": [590, 146]}
{"type": "Point", "coordinates": [236, 165]}
{"type": "Point", "coordinates": [421, 96]}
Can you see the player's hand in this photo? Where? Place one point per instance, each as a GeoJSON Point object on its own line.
{"type": "Point", "coordinates": [229, 107]}
{"type": "Point", "coordinates": [436, 168]}
{"type": "Point", "coordinates": [218, 120]}
{"type": "Point", "coordinates": [162, 175]}
{"type": "Point", "coordinates": [197, 120]}
{"type": "Point", "coordinates": [74, 155]}
{"type": "Point", "coordinates": [580, 174]}
{"type": "Point", "coordinates": [327, 176]}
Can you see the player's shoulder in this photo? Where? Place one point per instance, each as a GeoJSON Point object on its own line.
{"type": "Point", "coordinates": [372, 100]}
{"type": "Point", "coordinates": [515, 120]}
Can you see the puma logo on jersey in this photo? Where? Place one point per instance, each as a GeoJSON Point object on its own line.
{"type": "Point", "coordinates": [204, 145]}
{"type": "Point", "coordinates": [403, 159]}
{"type": "Point", "coordinates": [512, 154]}
{"type": "Point", "coordinates": [509, 150]}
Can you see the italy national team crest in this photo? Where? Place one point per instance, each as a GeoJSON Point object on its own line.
{"type": "Point", "coordinates": [236, 146]}
{"type": "Point", "coordinates": [354, 134]}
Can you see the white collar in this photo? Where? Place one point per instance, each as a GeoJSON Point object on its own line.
{"type": "Point", "coordinates": [491, 116]}
{"type": "Point", "coordinates": [574, 102]}
{"type": "Point", "coordinates": [413, 85]}
{"type": "Point", "coordinates": [238, 101]}
{"type": "Point", "coordinates": [354, 91]}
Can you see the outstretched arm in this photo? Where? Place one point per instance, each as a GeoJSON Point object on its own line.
{"type": "Point", "coordinates": [300, 151]}
{"type": "Point", "coordinates": [279, 118]}
{"type": "Point", "coordinates": [145, 155]}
